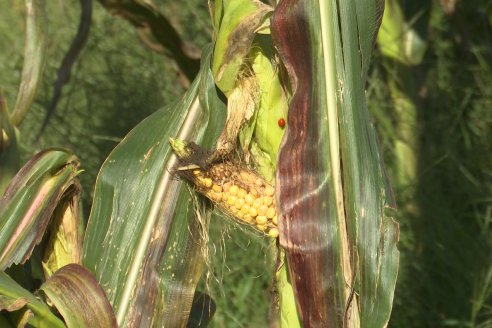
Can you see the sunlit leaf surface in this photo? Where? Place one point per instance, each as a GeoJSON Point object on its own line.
{"type": "Point", "coordinates": [144, 239]}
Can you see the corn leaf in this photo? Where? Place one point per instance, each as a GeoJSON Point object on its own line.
{"type": "Point", "coordinates": [157, 30]}
{"type": "Point", "coordinates": [75, 293]}
{"type": "Point", "coordinates": [144, 240]}
{"type": "Point", "coordinates": [34, 59]}
{"type": "Point", "coordinates": [15, 298]}
{"type": "Point", "coordinates": [370, 205]}
{"type": "Point", "coordinates": [397, 39]}
{"type": "Point", "coordinates": [331, 187]}
{"type": "Point", "coordinates": [9, 153]}
{"type": "Point", "coordinates": [30, 200]}
{"type": "Point", "coordinates": [402, 47]}
{"type": "Point", "coordinates": [235, 23]}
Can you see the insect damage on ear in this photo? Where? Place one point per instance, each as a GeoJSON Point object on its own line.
{"type": "Point", "coordinates": [237, 191]}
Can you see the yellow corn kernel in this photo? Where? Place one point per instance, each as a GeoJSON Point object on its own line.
{"type": "Point", "coordinates": [270, 213]}
{"type": "Point", "coordinates": [267, 200]}
{"type": "Point", "coordinates": [261, 227]}
{"type": "Point", "coordinates": [257, 202]}
{"type": "Point", "coordinates": [216, 188]}
{"type": "Point", "coordinates": [248, 219]}
{"type": "Point", "coordinates": [273, 232]}
{"type": "Point", "coordinates": [207, 182]}
{"type": "Point", "coordinates": [239, 203]}
{"type": "Point", "coordinates": [249, 199]}
{"type": "Point", "coordinates": [262, 210]}
{"type": "Point", "coordinates": [233, 190]}
{"type": "Point", "coordinates": [215, 196]}
{"type": "Point", "coordinates": [274, 220]}
{"type": "Point", "coordinates": [253, 212]}
{"type": "Point", "coordinates": [231, 200]}
{"type": "Point", "coordinates": [197, 172]}
{"type": "Point", "coordinates": [260, 219]}
{"type": "Point", "coordinates": [245, 208]}
{"type": "Point", "coordinates": [241, 193]}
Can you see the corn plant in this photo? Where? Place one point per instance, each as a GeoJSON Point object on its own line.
{"type": "Point", "coordinates": [273, 133]}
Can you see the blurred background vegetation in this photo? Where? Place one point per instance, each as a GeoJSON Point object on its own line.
{"type": "Point", "coordinates": [445, 199]}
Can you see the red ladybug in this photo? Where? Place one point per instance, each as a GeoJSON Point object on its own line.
{"type": "Point", "coordinates": [281, 123]}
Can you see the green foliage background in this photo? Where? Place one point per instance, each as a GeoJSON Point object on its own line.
{"type": "Point", "coordinates": [445, 213]}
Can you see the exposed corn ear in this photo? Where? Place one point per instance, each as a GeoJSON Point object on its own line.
{"type": "Point", "coordinates": [239, 192]}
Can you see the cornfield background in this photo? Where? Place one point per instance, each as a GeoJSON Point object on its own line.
{"type": "Point", "coordinates": [444, 198]}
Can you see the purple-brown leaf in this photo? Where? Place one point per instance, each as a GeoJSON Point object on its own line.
{"type": "Point", "coordinates": [78, 297]}
{"type": "Point", "coordinates": [304, 194]}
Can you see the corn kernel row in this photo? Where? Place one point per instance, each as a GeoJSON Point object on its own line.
{"type": "Point", "coordinates": [240, 193]}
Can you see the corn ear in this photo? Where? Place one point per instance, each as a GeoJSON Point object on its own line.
{"type": "Point", "coordinates": [239, 192]}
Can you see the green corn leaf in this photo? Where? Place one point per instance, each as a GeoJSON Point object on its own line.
{"type": "Point", "coordinates": [30, 200]}
{"type": "Point", "coordinates": [397, 39]}
{"type": "Point", "coordinates": [370, 205]}
{"type": "Point", "coordinates": [34, 59]}
{"type": "Point", "coordinates": [236, 22]}
{"type": "Point", "coordinates": [9, 153]}
{"type": "Point", "coordinates": [267, 134]}
{"type": "Point", "coordinates": [156, 30]}
{"type": "Point", "coordinates": [15, 298]}
{"type": "Point", "coordinates": [144, 240]}
{"type": "Point", "coordinates": [75, 293]}
{"type": "Point", "coordinates": [333, 196]}
{"type": "Point", "coordinates": [402, 46]}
